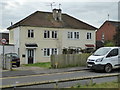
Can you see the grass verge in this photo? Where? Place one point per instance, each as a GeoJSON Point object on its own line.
{"type": "Point", "coordinates": [43, 65]}
{"type": "Point", "coordinates": [113, 84]}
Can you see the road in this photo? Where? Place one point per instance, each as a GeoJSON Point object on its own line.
{"type": "Point", "coordinates": [47, 79]}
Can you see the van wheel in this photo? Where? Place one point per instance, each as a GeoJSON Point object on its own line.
{"type": "Point", "coordinates": [108, 68]}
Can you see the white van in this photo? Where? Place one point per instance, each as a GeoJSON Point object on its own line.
{"type": "Point", "coordinates": [105, 58]}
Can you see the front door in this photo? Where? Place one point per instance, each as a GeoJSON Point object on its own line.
{"type": "Point", "coordinates": [30, 57]}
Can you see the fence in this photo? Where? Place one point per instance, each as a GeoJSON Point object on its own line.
{"type": "Point", "coordinates": [6, 64]}
{"type": "Point", "coordinates": [1, 62]}
{"type": "Point", "coordinates": [68, 60]}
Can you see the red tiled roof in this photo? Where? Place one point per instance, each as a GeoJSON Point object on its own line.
{"type": "Point", "coordinates": [45, 19]}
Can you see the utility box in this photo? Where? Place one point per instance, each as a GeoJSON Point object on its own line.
{"type": "Point", "coordinates": [7, 49]}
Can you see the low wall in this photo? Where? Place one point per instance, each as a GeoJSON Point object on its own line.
{"type": "Point", "coordinates": [68, 60]}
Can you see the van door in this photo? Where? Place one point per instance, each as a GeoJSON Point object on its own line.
{"type": "Point", "coordinates": [112, 58]}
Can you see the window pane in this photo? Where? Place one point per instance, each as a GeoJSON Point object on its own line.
{"type": "Point", "coordinates": [90, 35]}
{"type": "Point", "coordinates": [114, 52]}
{"type": "Point", "coordinates": [71, 34]}
{"type": "Point", "coordinates": [55, 50]}
{"type": "Point", "coordinates": [52, 51]}
{"type": "Point", "coordinates": [87, 35]}
{"type": "Point", "coordinates": [77, 35]}
{"type": "Point", "coordinates": [48, 52]}
{"type": "Point", "coordinates": [45, 52]}
{"type": "Point", "coordinates": [32, 33]}
{"type": "Point", "coordinates": [68, 34]}
{"type": "Point", "coordinates": [28, 33]}
{"type": "Point", "coordinates": [53, 34]}
{"type": "Point", "coordinates": [45, 34]}
{"type": "Point", "coordinates": [48, 34]}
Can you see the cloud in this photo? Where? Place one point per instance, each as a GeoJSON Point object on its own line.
{"type": "Point", "coordinates": [4, 30]}
{"type": "Point", "coordinates": [8, 4]}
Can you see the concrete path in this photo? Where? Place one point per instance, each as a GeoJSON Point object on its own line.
{"type": "Point", "coordinates": [21, 71]}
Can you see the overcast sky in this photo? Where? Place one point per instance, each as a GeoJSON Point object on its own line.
{"type": "Point", "coordinates": [93, 12]}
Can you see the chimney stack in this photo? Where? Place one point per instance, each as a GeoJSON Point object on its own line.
{"type": "Point", "coordinates": [60, 14]}
{"type": "Point", "coordinates": [57, 14]}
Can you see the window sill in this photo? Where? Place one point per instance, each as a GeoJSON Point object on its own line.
{"type": "Point", "coordinates": [50, 38]}
{"type": "Point", "coordinates": [73, 39]}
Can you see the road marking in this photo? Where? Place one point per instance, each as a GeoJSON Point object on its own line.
{"type": "Point", "coordinates": [61, 80]}
{"type": "Point", "coordinates": [40, 75]}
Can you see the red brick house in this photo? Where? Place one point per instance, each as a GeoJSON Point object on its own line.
{"type": "Point", "coordinates": [107, 31]}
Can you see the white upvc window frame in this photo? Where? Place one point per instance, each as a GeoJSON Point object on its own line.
{"type": "Point", "coordinates": [30, 33]}
{"type": "Point", "coordinates": [54, 34]}
{"type": "Point", "coordinates": [50, 34]}
{"type": "Point", "coordinates": [46, 34]}
{"type": "Point", "coordinates": [89, 35]}
{"type": "Point", "coordinates": [50, 51]}
{"type": "Point", "coordinates": [73, 35]}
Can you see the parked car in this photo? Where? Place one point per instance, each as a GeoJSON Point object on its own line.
{"type": "Point", "coordinates": [105, 58]}
{"type": "Point", "coordinates": [15, 59]}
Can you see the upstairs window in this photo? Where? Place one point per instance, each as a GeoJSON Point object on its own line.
{"type": "Point", "coordinates": [76, 35]}
{"type": "Point", "coordinates": [30, 33]}
{"type": "Point", "coordinates": [54, 34]}
{"type": "Point", "coordinates": [73, 35]}
{"type": "Point", "coordinates": [89, 36]}
{"type": "Point", "coordinates": [50, 34]}
{"type": "Point", "coordinates": [46, 34]}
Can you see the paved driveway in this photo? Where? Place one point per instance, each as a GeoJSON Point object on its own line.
{"type": "Point", "coordinates": [28, 68]}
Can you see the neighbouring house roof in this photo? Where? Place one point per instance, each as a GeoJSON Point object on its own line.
{"type": "Point", "coordinates": [45, 19]}
{"type": "Point", "coordinates": [114, 23]}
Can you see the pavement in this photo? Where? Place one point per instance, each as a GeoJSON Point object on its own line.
{"type": "Point", "coordinates": [22, 71]}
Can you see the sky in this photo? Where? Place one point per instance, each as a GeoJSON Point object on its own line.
{"type": "Point", "coordinates": [93, 12]}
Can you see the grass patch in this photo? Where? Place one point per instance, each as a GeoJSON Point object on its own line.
{"type": "Point", "coordinates": [42, 64]}
{"type": "Point", "coordinates": [114, 84]}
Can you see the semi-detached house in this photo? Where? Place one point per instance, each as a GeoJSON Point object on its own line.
{"type": "Point", "coordinates": [41, 34]}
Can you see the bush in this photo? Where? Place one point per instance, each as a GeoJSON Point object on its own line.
{"type": "Point", "coordinates": [109, 44]}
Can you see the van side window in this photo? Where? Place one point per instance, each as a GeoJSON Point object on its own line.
{"type": "Point", "coordinates": [112, 53]}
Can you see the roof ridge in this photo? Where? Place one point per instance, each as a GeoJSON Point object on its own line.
{"type": "Point", "coordinates": [80, 21]}
{"type": "Point", "coordinates": [113, 21]}
{"type": "Point", "coordinates": [41, 19]}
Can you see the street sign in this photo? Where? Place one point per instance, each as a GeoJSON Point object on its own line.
{"type": "Point", "coordinates": [3, 41]}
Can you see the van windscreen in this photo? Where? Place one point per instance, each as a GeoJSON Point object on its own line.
{"type": "Point", "coordinates": [101, 51]}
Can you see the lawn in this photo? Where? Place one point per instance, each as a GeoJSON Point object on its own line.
{"type": "Point", "coordinates": [43, 64]}
{"type": "Point", "coordinates": [101, 85]}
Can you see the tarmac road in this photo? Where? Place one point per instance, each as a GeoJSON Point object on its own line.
{"type": "Point", "coordinates": [52, 77]}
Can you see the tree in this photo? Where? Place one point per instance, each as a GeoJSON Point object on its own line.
{"type": "Point", "coordinates": [116, 37]}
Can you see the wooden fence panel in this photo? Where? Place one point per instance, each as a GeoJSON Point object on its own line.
{"type": "Point", "coordinates": [68, 60]}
